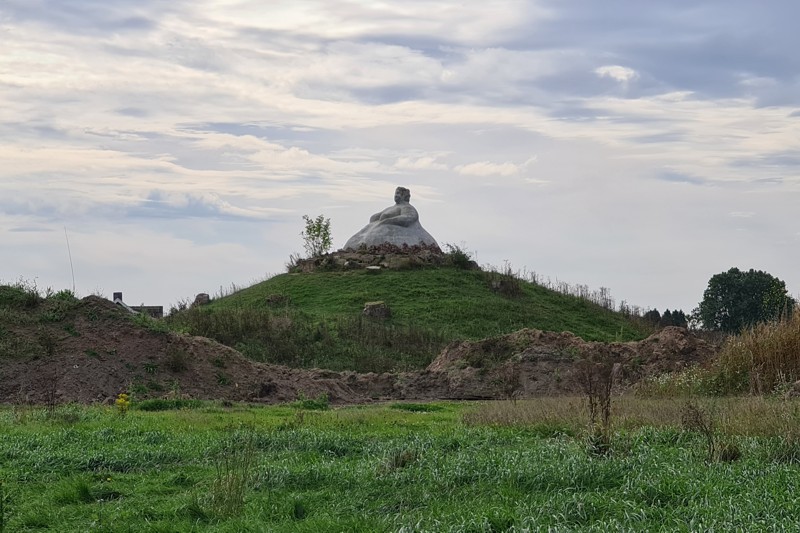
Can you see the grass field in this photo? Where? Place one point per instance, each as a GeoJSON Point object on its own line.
{"type": "Point", "coordinates": [399, 467]}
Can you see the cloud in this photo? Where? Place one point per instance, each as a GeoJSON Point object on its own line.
{"type": "Point", "coordinates": [624, 75]}
{"type": "Point", "coordinates": [486, 168]}
{"type": "Point", "coordinates": [677, 177]}
{"type": "Point", "coordinates": [30, 229]}
{"type": "Point", "coordinates": [421, 163]}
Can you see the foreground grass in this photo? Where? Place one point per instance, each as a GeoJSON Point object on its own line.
{"type": "Point", "coordinates": [406, 467]}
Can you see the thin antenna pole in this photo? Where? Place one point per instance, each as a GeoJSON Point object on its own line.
{"type": "Point", "coordinates": [70, 261]}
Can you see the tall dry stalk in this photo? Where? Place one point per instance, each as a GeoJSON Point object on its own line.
{"type": "Point", "coordinates": [763, 358]}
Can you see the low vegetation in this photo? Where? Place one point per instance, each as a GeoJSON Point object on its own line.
{"type": "Point", "coordinates": [398, 467]}
{"type": "Point", "coordinates": [762, 360]}
{"type": "Point", "coordinates": [23, 308]}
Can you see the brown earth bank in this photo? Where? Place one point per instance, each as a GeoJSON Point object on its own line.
{"type": "Point", "coordinates": [104, 353]}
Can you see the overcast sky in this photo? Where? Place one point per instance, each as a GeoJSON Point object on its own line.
{"type": "Point", "coordinates": [639, 146]}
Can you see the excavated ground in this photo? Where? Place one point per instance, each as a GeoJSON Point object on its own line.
{"type": "Point", "coordinates": [105, 353]}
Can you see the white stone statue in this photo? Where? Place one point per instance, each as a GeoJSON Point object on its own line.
{"type": "Point", "coordinates": [396, 225]}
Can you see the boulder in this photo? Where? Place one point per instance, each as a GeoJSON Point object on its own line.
{"type": "Point", "coordinates": [377, 310]}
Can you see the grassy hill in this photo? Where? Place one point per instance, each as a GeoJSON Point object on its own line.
{"type": "Point", "coordinates": [314, 319]}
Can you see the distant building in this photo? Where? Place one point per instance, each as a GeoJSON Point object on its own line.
{"type": "Point", "coordinates": [155, 311]}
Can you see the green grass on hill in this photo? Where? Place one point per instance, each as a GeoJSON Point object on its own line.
{"type": "Point", "coordinates": [457, 303]}
{"type": "Point", "coordinates": [315, 319]}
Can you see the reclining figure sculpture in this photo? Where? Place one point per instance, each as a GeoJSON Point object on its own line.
{"type": "Point", "coordinates": [397, 225]}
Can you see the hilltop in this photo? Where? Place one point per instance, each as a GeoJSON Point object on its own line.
{"type": "Point", "coordinates": [456, 303]}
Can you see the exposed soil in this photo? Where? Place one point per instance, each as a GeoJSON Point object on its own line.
{"type": "Point", "coordinates": [103, 353]}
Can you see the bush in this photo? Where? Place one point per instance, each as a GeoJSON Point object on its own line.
{"type": "Point", "coordinates": [317, 235]}
{"type": "Point", "coordinates": [458, 257]}
{"type": "Point", "coordinates": [320, 403]}
{"type": "Point", "coordinates": [21, 295]}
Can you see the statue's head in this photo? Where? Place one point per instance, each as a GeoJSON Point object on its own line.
{"type": "Point", "coordinates": [401, 194]}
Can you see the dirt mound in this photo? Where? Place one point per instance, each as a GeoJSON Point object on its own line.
{"type": "Point", "coordinates": [92, 350]}
{"type": "Point", "coordinates": [533, 362]}
{"type": "Point", "coordinates": [97, 351]}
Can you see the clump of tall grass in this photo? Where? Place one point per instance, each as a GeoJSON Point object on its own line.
{"type": "Point", "coordinates": [761, 360]}
{"type": "Point", "coordinates": [2, 507]}
{"type": "Point", "coordinates": [235, 468]}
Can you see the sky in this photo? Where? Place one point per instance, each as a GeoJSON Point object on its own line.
{"type": "Point", "coordinates": [172, 148]}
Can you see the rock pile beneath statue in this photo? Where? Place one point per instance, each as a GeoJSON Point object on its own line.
{"type": "Point", "coordinates": [384, 256]}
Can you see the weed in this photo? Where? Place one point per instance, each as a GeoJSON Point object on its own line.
{"type": "Point", "coordinates": [785, 449]}
{"type": "Point", "coordinates": [22, 295]}
{"type": "Point", "coordinates": [727, 451]}
{"type": "Point", "coordinates": [234, 466]}
{"type": "Point", "coordinates": [122, 403]}
{"type": "Point", "coordinates": [74, 491]}
{"type": "Point", "coordinates": [399, 459]}
{"type": "Point", "coordinates": [510, 383]}
{"type": "Point", "coordinates": [177, 360]}
{"type": "Point", "coordinates": [695, 418]}
{"type": "Point", "coordinates": [48, 342]}
{"type": "Point", "coordinates": [459, 257]}
{"type": "Point", "coordinates": [3, 504]}
{"type": "Point", "coordinates": [596, 375]}
{"type": "Point", "coordinates": [299, 511]}
{"type": "Point", "coordinates": [150, 368]}
{"type": "Point", "coordinates": [92, 353]}
{"type": "Point", "coordinates": [505, 282]}
{"type": "Point", "coordinates": [320, 403]}
{"type": "Point", "coordinates": [51, 392]}
{"type": "Point", "coordinates": [152, 324]}
{"type": "Point", "coordinates": [294, 262]}
{"type": "Point", "coordinates": [222, 379]}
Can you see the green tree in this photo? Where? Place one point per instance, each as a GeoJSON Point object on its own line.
{"type": "Point", "coordinates": [666, 319]}
{"type": "Point", "coordinates": [317, 235]}
{"type": "Point", "coordinates": [735, 300]}
{"type": "Point", "coordinates": [653, 317]}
